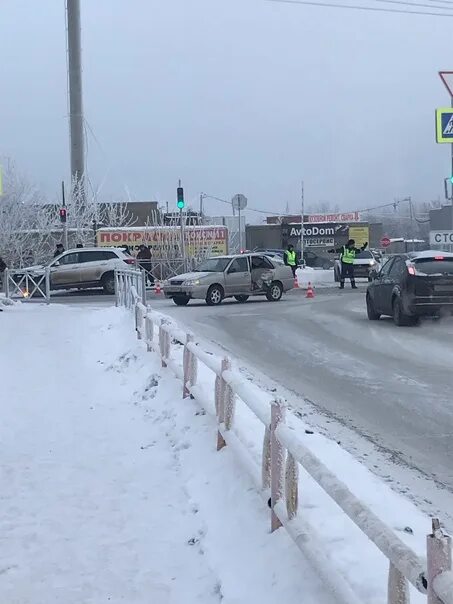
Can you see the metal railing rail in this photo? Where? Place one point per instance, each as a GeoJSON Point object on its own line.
{"type": "Point", "coordinates": [24, 284]}
{"type": "Point", "coordinates": [278, 477]}
{"type": "Point", "coordinates": [125, 280]}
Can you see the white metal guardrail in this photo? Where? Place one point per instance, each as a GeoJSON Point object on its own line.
{"type": "Point", "coordinates": [283, 451]}
{"type": "Point", "coordinates": [26, 284]}
{"type": "Point", "coordinates": [128, 282]}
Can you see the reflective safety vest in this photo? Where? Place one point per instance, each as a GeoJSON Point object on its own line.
{"type": "Point", "coordinates": [347, 255]}
{"type": "Point", "coordinates": [291, 257]}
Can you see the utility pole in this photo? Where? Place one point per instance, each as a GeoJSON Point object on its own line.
{"type": "Point", "coordinates": [202, 196]}
{"type": "Point", "coordinates": [302, 214]}
{"type": "Point", "coordinates": [451, 177]}
{"type": "Point", "coordinates": [65, 223]}
{"type": "Point", "coordinates": [75, 98]}
{"type": "Point", "coordinates": [180, 204]}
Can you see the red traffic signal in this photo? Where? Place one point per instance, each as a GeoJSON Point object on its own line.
{"type": "Point", "coordinates": [62, 214]}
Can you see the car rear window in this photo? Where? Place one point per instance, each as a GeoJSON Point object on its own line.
{"type": "Point", "coordinates": [362, 255]}
{"type": "Point", "coordinates": [434, 266]}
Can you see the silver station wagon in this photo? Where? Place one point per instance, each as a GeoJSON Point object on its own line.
{"type": "Point", "coordinates": [236, 277]}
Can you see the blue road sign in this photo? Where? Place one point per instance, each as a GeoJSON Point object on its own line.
{"type": "Point", "coordinates": [444, 125]}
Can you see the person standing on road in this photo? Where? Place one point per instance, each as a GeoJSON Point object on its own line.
{"type": "Point", "coordinates": [347, 256]}
{"type": "Point", "coordinates": [290, 259]}
{"type": "Point", "coordinates": [144, 257]}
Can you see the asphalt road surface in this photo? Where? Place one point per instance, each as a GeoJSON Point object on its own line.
{"type": "Point", "coordinates": [391, 386]}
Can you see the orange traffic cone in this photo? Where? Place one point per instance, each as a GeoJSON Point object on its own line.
{"type": "Point", "coordinates": [310, 291]}
{"type": "Point", "coordinates": [157, 288]}
{"type": "Point", "coordinates": [296, 282]}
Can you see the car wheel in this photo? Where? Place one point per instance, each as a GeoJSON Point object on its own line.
{"type": "Point", "coordinates": [181, 300]}
{"type": "Point", "coordinates": [108, 284]}
{"type": "Point", "coordinates": [274, 292]}
{"type": "Point", "coordinates": [400, 318]}
{"type": "Point", "coordinates": [214, 296]}
{"type": "Point", "coordinates": [373, 315]}
{"type": "Point", "coordinates": [241, 298]}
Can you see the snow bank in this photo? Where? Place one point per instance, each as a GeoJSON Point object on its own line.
{"type": "Point", "coordinates": [111, 487]}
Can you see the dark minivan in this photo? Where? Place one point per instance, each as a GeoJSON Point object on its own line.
{"type": "Point", "coordinates": [410, 286]}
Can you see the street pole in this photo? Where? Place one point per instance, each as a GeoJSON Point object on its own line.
{"type": "Point", "coordinates": [75, 98]}
{"type": "Point", "coordinates": [302, 214]}
{"type": "Point", "coordinates": [451, 176]}
{"type": "Point", "coordinates": [240, 230]}
{"type": "Point", "coordinates": [65, 223]}
{"type": "Point", "coordinates": [183, 244]}
{"type": "Point", "coordinates": [201, 208]}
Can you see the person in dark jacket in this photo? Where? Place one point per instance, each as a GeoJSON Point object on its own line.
{"type": "Point", "coordinates": [144, 257]}
{"type": "Point", "coordinates": [290, 258]}
{"type": "Point", "coordinates": [347, 256]}
{"type": "Point", "coordinates": [58, 250]}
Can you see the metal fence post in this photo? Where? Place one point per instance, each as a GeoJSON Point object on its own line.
{"type": "Point", "coordinates": [398, 587]}
{"type": "Point", "coordinates": [149, 330]}
{"type": "Point", "coordinates": [138, 319]}
{"type": "Point", "coordinates": [143, 276]}
{"type": "Point", "coordinates": [277, 461]}
{"type": "Point", "coordinates": [164, 343]}
{"type": "Point", "coordinates": [116, 288]}
{"type": "Point", "coordinates": [229, 398]}
{"type": "Point", "coordinates": [47, 286]}
{"type": "Point", "coordinates": [187, 366]}
{"type": "Point", "coordinates": [438, 559]}
{"type": "Point", "coordinates": [220, 402]}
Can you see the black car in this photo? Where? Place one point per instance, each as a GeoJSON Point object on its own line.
{"type": "Point", "coordinates": [410, 286]}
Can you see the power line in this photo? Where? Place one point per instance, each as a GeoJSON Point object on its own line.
{"type": "Point", "coordinates": [414, 4]}
{"type": "Point", "coordinates": [366, 8]}
{"type": "Point", "coordinates": [393, 204]}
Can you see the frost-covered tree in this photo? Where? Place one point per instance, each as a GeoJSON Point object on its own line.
{"type": "Point", "coordinates": [25, 225]}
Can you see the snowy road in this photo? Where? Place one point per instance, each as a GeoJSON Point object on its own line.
{"type": "Point", "coordinates": [391, 385]}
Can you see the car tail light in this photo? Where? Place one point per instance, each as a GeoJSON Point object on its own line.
{"type": "Point", "coordinates": [439, 257]}
{"type": "Point", "coordinates": [411, 269]}
{"type": "Point", "coordinates": [129, 260]}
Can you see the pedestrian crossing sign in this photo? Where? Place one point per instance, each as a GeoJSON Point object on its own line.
{"type": "Point", "coordinates": [444, 125]}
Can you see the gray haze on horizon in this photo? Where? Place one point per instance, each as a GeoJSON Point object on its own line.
{"type": "Point", "coordinates": [231, 96]}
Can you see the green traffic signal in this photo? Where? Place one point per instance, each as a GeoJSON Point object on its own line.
{"type": "Point", "coordinates": [451, 179]}
{"type": "Point", "coordinates": [180, 197]}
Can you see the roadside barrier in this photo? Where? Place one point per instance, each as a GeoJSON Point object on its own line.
{"type": "Point", "coordinates": [26, 284]}
{"type": "Point", "coordinates": [283, 451]}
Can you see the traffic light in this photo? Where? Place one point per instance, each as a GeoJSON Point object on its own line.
{"type": "Point", "coordinates": [62, 215]}
{"type": "Point", "coordinates": [451, 179]}
{"type": "Point", "coordinates": [180, 198]}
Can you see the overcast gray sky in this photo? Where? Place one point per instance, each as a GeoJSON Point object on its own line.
{"type": "Point", "coordinates": [231, 96]}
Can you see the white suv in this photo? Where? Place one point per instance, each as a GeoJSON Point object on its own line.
{"type": "Point", "coordinates": [85, 268]}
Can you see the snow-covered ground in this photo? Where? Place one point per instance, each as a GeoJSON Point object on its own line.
{"type": "Point", "coordinates": [112, 490]}
{"type": "Point", "coordinates": [111, 487]}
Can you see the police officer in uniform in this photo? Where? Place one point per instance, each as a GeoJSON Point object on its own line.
{"type": "Point", "coordinates": [290, 258]}
{"type": "Point", "coordinates": [347, 256]}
